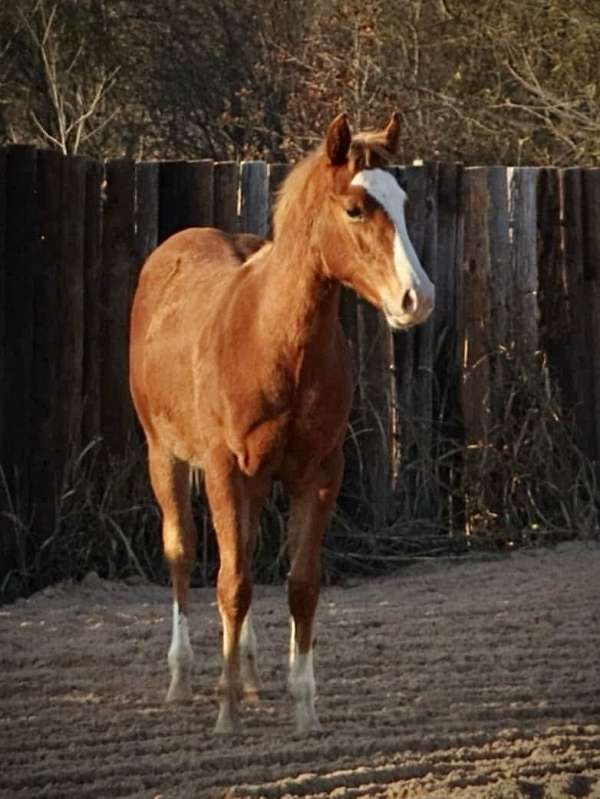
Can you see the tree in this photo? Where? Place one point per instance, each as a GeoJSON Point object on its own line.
{"type": "Point", "coordinates": [59, 78]}
{"type": "Point", "coordinates": [487, 82]}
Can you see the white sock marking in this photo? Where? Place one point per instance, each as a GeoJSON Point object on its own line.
{"type": "Point", "coordinates": [302, 686]}
{"type": "Point", "coordinates": [248, 637]}
{"type": "Point", "coordinates": [180, 652]}
{"type": "Point", "coordinates": [301, 678]}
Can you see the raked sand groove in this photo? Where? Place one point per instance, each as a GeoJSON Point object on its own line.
{"type": "Point", "coordinates": [478, 678]}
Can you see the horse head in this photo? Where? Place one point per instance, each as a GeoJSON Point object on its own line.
{"type": "Point", "coordinates": [363, 236]}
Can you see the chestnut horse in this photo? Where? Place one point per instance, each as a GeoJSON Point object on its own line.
{"type": "Point", "coordinates": [239, 367]}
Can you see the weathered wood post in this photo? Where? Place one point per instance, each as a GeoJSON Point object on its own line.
{"type": "Point", "coordinates": [254, 200]}
{"type": "Point", "coordinates": [522, 183]}
{"type": "Point", "coordinates": [92, 347]}
{"type": "Point", "coordinates": [21, 265]}
{"type": "Point", "coordinates": [582, 365]}
{"type": "Point", "coordinates": [119, 258]}
{"type": "Point", "coordinates": [226, 196]}
{"type": "Point", "coordinates": [71, 305]}
{"type": "Point", "coordinates": [591, 274]}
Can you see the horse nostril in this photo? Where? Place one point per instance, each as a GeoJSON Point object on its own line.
{"type": "Point", "coordinates": [410, 302]}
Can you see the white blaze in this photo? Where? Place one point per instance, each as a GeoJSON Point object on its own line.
{"type": "Point", "coordinates": [384, 188]}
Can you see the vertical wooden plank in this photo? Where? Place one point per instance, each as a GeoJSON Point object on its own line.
{"type": "Point", "coordinates": [476, 340]}
{"type": "Point", "coordinates": [226, 196]}
{"type": "Point", "coordinates": [277, 174]}
{"type": "Point", "coordinates": [523, 216]}
{"type": "Point", "coordinates": [582, 365]}
{"type": "Point", "coordinates": [203, 192]}
{"type": "Point", "coordinates": [71, 304]}
{"type": "Point", "coordinates": [46, 468]}
{"type": "Point", "coordinates": [3, 331]}
{"type": "Point", "coordinates": [254, 199]}
{"type": "Point", "coordinates": [591, 275]}
{"type": "Point", "coordinates": [475, 330]}
{"type": "Point", "coordinates": [22, 261]}
{"type": "Point", "coordinates": [6, 543]}
{"type": "Point", "coordinates": [499, 243]}
{"type": "Point", "coordinates": [172, 213]}
{"type": "Point", "coordinates": [374, 391]}
{"type": "Point", "coordinates": [425, 338]}
{"type": "Point", "coordinates": [147, 177]}
{"type": "Point", "coordinates": [500, 305]}
{"type": "Point", "coordinates": [118, 255]}
{"type": "Point", "coordinates": [448, 283]}
{"type": "Point", "coordinates": [449, 260]}
{"type": "Point", "coordinates": [552, 299]}
{"type": "Point", "coordinates": [425, 341]}
{"type": "Point", "coordinates": [446, 386]}
{"type": "Point", "coordinates": [186, 196]}
{"type": "Point", "coordinates": [92, 287]}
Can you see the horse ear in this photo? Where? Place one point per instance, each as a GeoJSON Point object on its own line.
{"type": "Point", "coordinates": [392, 133]}
{"type": "Point", "coordinates": [337, 141]}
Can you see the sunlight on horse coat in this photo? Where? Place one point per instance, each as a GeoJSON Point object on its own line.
{"type": "Point", "coordinates": [238, 366]}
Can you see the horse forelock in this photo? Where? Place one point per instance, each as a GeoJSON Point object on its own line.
{"type": "Point", "coordinates": [367, 151]}
{"type": "Point", "coordinates": [306, 183]}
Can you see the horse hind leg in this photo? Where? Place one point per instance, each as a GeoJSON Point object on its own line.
{"type": "Point", "coordinates": [171, 484]}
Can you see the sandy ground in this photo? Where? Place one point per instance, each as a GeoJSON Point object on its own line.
{"type": "Point", "coordinates": [477, 678]}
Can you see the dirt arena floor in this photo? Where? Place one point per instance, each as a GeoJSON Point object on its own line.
{"type": "Point", "coordinates": [476, 678]}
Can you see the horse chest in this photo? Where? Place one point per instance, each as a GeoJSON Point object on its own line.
{"type": "Point", "coordinates": [298, 424]}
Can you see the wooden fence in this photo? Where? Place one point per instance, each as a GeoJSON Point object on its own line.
{"type": "Point", "coordinates": [514, 253]}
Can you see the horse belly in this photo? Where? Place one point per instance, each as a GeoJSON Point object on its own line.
{"type": "Point", "coordinates": [164, 398]}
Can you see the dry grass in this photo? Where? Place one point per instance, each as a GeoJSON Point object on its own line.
{"type": "Point", "coordinates": [525, 483]}
{"type": "Point", "coordinates": [104, 520]}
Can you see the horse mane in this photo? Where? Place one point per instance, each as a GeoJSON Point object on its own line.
{"type": "Point", "coordinates": [295, 194]}
{"type": "Point", "coordinates": [298, 191]}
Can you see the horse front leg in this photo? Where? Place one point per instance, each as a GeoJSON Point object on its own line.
{"type": "Point", "coordinates": [170, 480]}
{"type": "Point", "coordinates": [234, 502]}
{"type": "Point", "coordinates": [311, 504]}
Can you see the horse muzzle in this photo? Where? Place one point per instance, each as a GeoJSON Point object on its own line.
{"type": "Point", "coordinates": [414, 308]}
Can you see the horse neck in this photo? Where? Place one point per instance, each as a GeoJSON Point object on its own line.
{"type": "Point", "coordinates": [299, 304]}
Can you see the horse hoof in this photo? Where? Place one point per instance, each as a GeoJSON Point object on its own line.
{"type": "Point", "coordinates": [227, 723]}
{"type": "Point", "coordinates": [307, 722]}
{"type": "Point", "coordinates": [311, 730]}
{"type": "Point", "coordinates": [251, 695]}
{"type": "Point", "coordinates": [178, 692]}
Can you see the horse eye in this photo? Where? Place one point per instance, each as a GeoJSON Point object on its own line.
{"type": "Point", "coordinates": [355, 212]}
